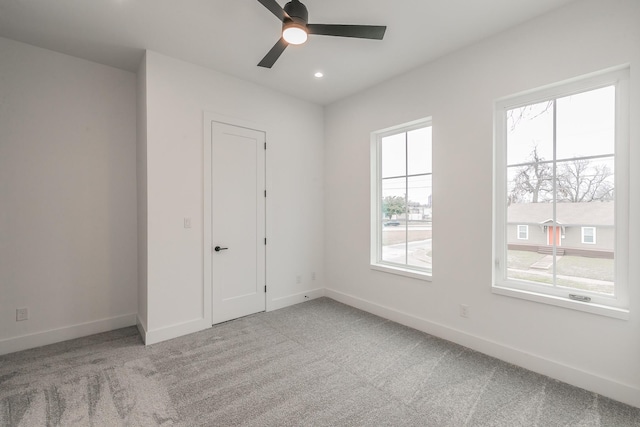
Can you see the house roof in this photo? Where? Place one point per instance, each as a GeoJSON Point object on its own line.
{"type": "Point", "coordinates": [593, 213]}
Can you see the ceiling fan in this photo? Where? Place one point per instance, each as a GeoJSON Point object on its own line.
{"type": "Point", "coordinates": [295, 28]}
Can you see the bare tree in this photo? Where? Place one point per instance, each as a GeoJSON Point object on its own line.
{"type": "Point", "coordinates": [581, 181]}
{"type": "Point", "coordinates": [532, 182]}
{"type": "Point", "coordinates": [578, 180]}
{"type": "Point", "coordinates": [528, 112]}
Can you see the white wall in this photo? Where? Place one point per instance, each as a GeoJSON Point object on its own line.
{"type": "Point", "coordinates": [598, 353]}
{"type": "Point", "coordinates": [141, 174]}
{"type": "Point", "coordinates": [67, 196]}
{"type": "Point", "coordinates": [177, 95]}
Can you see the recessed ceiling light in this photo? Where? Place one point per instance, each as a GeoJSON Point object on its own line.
{"type": "Point", "coordinates": [319, 75]}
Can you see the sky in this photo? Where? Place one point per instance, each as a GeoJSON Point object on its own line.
{"type": "Point", "coordinates": [408, 152]}
{"type": "Point", "coordinates": [585, 127]}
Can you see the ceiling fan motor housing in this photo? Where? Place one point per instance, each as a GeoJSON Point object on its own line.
{"type": "Point", "coordinates": [297, 11]}
{"type": "Point", "coordinates": [295, 29]}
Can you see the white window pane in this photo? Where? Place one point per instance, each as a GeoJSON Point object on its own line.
{"type": "Point", "coordinates": [530, 133]}
{"type": "Point", "coordinates": [420, 196]}
{"type": "Point", "coordinates": [590, 270]}
{"type": "Point", "coordinates": [394, 191]}
{"type": "Point", "coordinates": [585, 180]}
{"type": "Point", "coordinates": [587, 263]}
{"type": "Point", "coordinates": [530, 266]}
{"type": "Point", "coordinates": [394, 247]}
{"type": "Point", "coordinates": [531, 259]}
{"type": "Point", "coordinates": [577, 274]}
{"type": "Point", "coordinates": [419, 151]}
{"type": "Point", "coordinates": [419, 224]}
{"type": "Point", "coordinates": [394, 209]}
{"type": "Point", "coordinates": [586, 124]}
{"type": "Point", "coordinates": [530, 183]}
{"type": "Point", "coordinates": [394, 159]}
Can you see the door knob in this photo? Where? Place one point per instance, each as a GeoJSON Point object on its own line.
{"type": "Point", "coordinates": [218, 249]}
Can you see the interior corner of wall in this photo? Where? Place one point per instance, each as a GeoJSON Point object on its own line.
{"type": "Point", "coordinates": [285, 301]}
{"type": "Point", "coordinates": [142, 328]}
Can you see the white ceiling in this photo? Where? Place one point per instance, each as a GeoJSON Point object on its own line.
{"type": "Point", "coordinates": [232, 36]}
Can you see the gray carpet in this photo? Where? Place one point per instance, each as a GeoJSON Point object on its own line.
{"type": "Point", "coordinates": [320, 363]}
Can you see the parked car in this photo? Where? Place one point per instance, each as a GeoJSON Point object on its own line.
{"type": "Point", "coordinates": [391, 223]}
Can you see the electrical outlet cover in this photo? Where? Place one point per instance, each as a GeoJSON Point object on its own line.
{"type": "Point", "coordinates": [464, 310]}
{"type": "Point", "coordinates": [22, 314]}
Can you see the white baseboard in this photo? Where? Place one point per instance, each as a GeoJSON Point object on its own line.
{"type": "Point", "coordinates": [142, 329]}
{"type": "Point", "coordinates": [610, 388]}
{"type": "Point", "coordinates": [174, 331]}
{"type": "Point", "coordinates": [288, 300]}
{"type": "Point", "coordinates": [38, 339]}
{"type": "Point", "coordinates": [157, 335]}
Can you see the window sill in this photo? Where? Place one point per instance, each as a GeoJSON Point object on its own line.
{"type": "Point", "coordinates": [602, 310]}
{"type": "Point", "coordinates": [415, 274]}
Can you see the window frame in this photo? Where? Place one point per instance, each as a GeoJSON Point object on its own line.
{"type": "Point", "coordinates": [526, 232]}
{"type": "Point", "coordinates": [616, 306]}
{"type": "Point", "coordinates": [376, 262]}
{"type": "Point", "coordinates": [582, 229]}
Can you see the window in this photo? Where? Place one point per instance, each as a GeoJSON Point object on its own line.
{"type": "Point", "coordinates": [401, 206]}
{"type": "Point", "coordinates": [589, 235]}
{"type": "Point", "coordinates": [561, 168]}
{"type": "Point", "coordinates": [523, 232]}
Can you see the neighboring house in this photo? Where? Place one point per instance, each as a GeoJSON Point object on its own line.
{"type": "Point", "coordinates": [585, 228]}
{"type": "Point", "coordinates": [416, 212]}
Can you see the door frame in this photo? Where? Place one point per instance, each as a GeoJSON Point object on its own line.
{"type": "Point", "coordinates": [207, 288]}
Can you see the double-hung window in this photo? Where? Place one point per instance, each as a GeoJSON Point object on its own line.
{"type": "Point", "coordinates": [523, 232]}
{"type": "Point", "coordinates": [561, 171]}
{"type": "Point", "coordinates": [401, 205]}
{"type": "Point", "coordinates": [589, 235]}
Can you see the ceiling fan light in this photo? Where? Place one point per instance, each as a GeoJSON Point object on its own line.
{"type": "Point", "coordinates": [294, 33]}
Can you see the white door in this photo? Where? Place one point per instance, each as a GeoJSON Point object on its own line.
{"type": "Point", "coordinates": [238, 221]}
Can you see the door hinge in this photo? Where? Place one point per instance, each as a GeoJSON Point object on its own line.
{"type": "Point", "coordinates": [265, 288]}
{"type": "Point", "coordinates": [265, 240]}
{"type": "Point", "coordinates": [265, 193]}
{"type": "Point", "coordinates": [265, 145]}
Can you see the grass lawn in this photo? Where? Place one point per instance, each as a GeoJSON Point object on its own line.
{"type": "Point", "coordinates": [592, 268]}
{"type": "Point", "coordinates": [395, 236]}
{"type": "Point", "coordinates": [579, 272]}
{"type": "Point", "coordinates": [522, 260]}
{"type": "Point", "coordinates": [571, 284]}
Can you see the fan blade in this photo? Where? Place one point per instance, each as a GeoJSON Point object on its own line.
{"type": "Point", "coordinates": [273, 55]}
{"type": "Point", "coordinates": [275, 9]}
{"type": "Point", "coordinates": [375, 32]}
